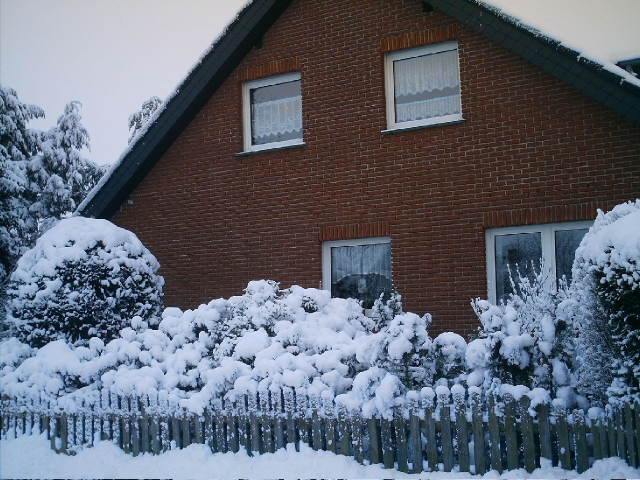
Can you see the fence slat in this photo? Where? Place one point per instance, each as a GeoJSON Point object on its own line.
{"type": "Point", "coordinates": [430, 428]}
{"type": "Point", "coordinates": [415, 435]}
{"type": "Point", "coordinates": [494, 437]}
{"type": "Point", "coordinates": [386, 428]}
{"type": "Point", "coordinates": [447, 438]}
{"type": "Point", "coordinates": [511, 433]}
{"type": "Point", "coordinates": [462, 433]}
{"type": "Point", "coordinates": [636, 410]}
{"type": "Point", "coordinates": [477, 427]}
{"type": "Point", "coordinates": [580, 435]}
{"type": "Point", "coordinates": [564, 445]}
{"type": "Point", "coordinates": [357, 437]}
{"type": "Point", "coordinates": [375, 441]}
{"type": "Point", "coordinates": [620, 437]}
{"type": "Point", "coordinates": [400, 430]}
{"type": "Point", "coordinates": [598, 453]}
{"type": "Point", "coordinates": [631, 437]}
{"type": "Point", "coordinates": [528, 442]}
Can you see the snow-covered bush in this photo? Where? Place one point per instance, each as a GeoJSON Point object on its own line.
{"type": "Point", "coordinates": [606, 305]}
{"type": "Point", "coordinates": [267, 339]}
{"type": "Point", "coordinates": [84, 278]}
{"type": "Point", "coordinates": [527, 341]}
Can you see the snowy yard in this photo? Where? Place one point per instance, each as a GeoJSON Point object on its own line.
{"type": "Point", "coordinates": [32, 457]}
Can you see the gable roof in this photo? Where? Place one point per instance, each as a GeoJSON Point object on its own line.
{"type": "Point", "coordinates": [605, 83]}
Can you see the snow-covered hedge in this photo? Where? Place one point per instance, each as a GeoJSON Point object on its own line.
{"type": "Point", "coordinates": [267, 338]}
{"type": "Point", "coordinates": [606, 305]}
{"type": "Point", "coordinates": [84, 278]}
{"type": "Point", "coordinates": [300, 339]}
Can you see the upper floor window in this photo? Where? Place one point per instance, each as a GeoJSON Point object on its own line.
{"type": "Point", "coordinates": [423, 86]}
{"type": "Point", "coordinates": [272, 112]}
{"type": "Point", "coordinates": [358, 268]}
{"type": "Point", "coordinates": [508, 248]}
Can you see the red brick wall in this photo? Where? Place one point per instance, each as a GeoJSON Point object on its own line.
{"type": "Point", "coordinates": [531, 150]}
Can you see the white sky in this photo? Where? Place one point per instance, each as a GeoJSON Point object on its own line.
{"type": "Point", "coordinates": [111, 55]}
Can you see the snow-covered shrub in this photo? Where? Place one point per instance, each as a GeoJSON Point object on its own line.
{"type": "Point", "coordinates": [84, 278]}
{"type": "Point", "coordinates": [527, 341]}
{"type": "Point", "coordinates": [385, 311]}
{"type": "Point", "coordinates": [606, 306]}
{"type": "Point", "coordinates": [449, 355]}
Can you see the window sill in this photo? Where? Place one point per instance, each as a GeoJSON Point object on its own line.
{"type": "Point", "coordinates": [404, 128]}
{"type": "Point", "coordinates": [271, 149]}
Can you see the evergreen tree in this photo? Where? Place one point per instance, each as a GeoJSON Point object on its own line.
{"type": "Point", "coordinates": [138, 120]}
{"type": "Point", "coordinates": [17, 144]}
{"type": "Point", "coordinates": [59, 173]}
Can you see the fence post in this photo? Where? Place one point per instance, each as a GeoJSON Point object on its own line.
{"type": "Point", "coordinates": [580, 432]}
{"type": "Point", "coordinates": [220, 430]}
{"type": "Point", "coordinates": [244, 427]}
{"type": "Point", "coordinates": [445, 427]}
{"type": "Point", "coordinates": [510, 432]}
{"type": "Point", "coordinates": [544, 429]}
{"type": "Point", "coordinates": [478, 431]}
{"type": "Point", "coordinates": [135, 425]}
{"type": "Point", "coordinates": [563, 435]}
{"type": "Point", "coordinates": [428, 396]}
{"type": "Point", "coordinates": [494, 435]}
{"type": "Point", "coordinates": [415, 433]}
{"type": "Point", "coordinates": [375, 440]}
{"type": "Point", "coordinates": [619, 419]}
{"type": "Point", "coordinates": [343, 431]}
{"type": "Point", "coordinates": [357, 435]}
{"type": "Point", "coordinates": [232, 428]}
{"type": "Point", "coordinates": [266, 417]}
{"type": "Point", "coordinates": [461, 427]}
{"type": "Point", "coordinates": [276, 400]}
{"type": "Point", "coordinates": [631, 437]}
{"type": "Point", "coordinates": [387, 442]}
{"type": "Point", "coordinates": [290, 408]}
{"type": "Point", "coordinates": [400, 429]}
{"type": "Point", "coordinates": [636, 409]}
{"type": "Point", "coordinates": [329, 421]}
{"type": "Point", "coordinates": [528, 442]}
{"type": "Point", "coordinates": [315, 423]}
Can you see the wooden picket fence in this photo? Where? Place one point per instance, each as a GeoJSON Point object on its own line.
{"type": "Point", "coordinates": [471, 434]}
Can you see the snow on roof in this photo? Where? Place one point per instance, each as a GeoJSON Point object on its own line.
{"type": "Point", "coordinates": [604, 31]}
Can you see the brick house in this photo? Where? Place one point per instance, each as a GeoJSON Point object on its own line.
{"type": "Point", "coordinates": [355, 144]}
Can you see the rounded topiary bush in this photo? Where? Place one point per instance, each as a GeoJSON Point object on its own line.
{"type": "Point", "coordinates": [606, 284]}
{"type": "Point", "coordinates": [84, 278]}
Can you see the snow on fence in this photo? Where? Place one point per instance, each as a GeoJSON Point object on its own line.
{"type": "Point", "coordinates": [473, 434]}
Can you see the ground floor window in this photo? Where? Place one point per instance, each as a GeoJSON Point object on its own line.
{"type": "Point", "coordinates": [357, 268]}
{"type": "Point", "coordinates": [554, 243]}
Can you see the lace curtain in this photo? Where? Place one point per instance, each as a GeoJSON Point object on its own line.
{"type": "Point", "coordinates": [361, 271]}
{"type": "Point", "coordinates": [427, 86]}
{"type": "Point", "coordinates": [277, 117]}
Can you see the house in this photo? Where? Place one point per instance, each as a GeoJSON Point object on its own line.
{"type": "Point", "coordinates": [358, 144]}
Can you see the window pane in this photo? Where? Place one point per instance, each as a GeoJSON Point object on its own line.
{"type": "Point", "coordinates": [361, 271]}
{"type": "Point", "coordinates": [276, 113]}
{"type": "Point", "coordinates": [515, 250]}
{"type": "Point", "coordinates": [567, 242]}
{"type": "Point", "coordinates": [427, 86]}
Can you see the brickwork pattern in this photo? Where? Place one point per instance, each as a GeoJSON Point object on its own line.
{"type": "Point", "coordinates": [530, 150]}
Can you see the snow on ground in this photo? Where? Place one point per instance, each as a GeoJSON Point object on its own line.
{"type": "Point", "coordinates": [31, 457]}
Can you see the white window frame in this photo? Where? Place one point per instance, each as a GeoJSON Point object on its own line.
{"type": "Point", "coordinates": [390, 87]}
{"type": "Point", "coordinates": [353, 242]}
{"type": "Point", "coordinates": [246, 111]}
{"type": "Point", "coordinates": [547, 236]}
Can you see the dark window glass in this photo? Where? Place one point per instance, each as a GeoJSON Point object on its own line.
{"type": "Point", "coordinates": [361, 271]}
